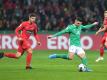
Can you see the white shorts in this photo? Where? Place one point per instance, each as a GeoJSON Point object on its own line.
{"type": "Point", "coordinates": [76, 49]}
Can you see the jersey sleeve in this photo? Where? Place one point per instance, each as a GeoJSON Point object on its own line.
{"type": "Point", "coordinates": [35, 33]}
{"type": "Point", "coordinates": [87, 26]}
{"type": "Point", "coordinates": [19, 28]}
{"type": "Point", "coordinates": [66, 30]}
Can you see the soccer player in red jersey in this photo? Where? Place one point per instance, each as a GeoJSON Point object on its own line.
{"type": "Point", "coordinates": [26, 28]}
{"type": "Point", "coordinates": [104, 38]}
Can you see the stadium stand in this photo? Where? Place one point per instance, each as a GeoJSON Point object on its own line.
{"type": "Point", "coordinates": [52, 15]}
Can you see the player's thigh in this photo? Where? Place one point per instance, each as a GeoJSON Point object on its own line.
{"type": "Point", "coordinates": [81, 52]}
{"type": "Point", "coordinates": [81, 55]}
{"type": "Point", "coordinates": [29, 50]}
{"type": "Point", "coordinates": [103, 40]}
{"type": "Point", "coordinates": [72, 51]}
{"type": "Point", "coordinates": [105, 43]}
{"type": "Point", "coordinates": [20, 49]}
{"type": "Point", "coordinates": [26, 44]}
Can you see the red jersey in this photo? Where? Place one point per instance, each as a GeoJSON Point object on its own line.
{"type": "Point", "coordinates": [105, 25]}
{"type": "Point", "coordinates": [27, 29]}
{"type": "Point", "coordinates": [105, 21]}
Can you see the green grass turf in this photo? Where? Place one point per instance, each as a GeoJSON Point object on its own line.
{"type": "Point", "coordinates": [52, 69]}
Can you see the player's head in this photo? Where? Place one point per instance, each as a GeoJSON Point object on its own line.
{"type": "Point", "coordinates": [32, 17]}
{"type": "Point", "coordinates": [78, 21]}
{"type": "Point", "coordinates": [105, 14]}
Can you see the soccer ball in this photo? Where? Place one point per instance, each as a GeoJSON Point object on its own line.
{"type": "Point", "coordinates": [81, 67]}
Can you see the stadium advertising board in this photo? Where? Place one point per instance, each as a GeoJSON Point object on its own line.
{"type": "Point", "coordinates": [88, 42]}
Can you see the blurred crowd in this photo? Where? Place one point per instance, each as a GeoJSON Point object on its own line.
{"type": "Point", "coordinates": [52, 15]}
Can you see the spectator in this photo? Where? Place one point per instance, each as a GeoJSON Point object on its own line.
{"type": "Point", "coordinates": [52, 14]}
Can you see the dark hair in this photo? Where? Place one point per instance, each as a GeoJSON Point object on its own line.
{"type": "Point", "coordinates": [79, 19]}
{"type": "Point", "coordinates": [105, 11]}
{"type": "Point", "coordinates": [32, 15]}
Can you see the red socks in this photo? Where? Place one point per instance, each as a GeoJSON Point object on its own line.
{"type": "Point", "coordinates": [101, 51]}
{"type": "Point", "coordinates": [28, 59]}
{"type": "Point", "coordinates": [10, 55]}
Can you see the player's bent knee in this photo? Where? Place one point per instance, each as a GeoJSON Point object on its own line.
{"type": "Point", "coordinates": [70, 58]}
{"type": "Point", "coordinates": [29, 50]}
{"type": "Point", "coordinates": [18, 55]}
{"type": "Point", "coordinates": [82, 55]}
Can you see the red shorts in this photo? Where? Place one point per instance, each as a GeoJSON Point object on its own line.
{"type": "Point", "coordinates": [23, 45]}
{"type": "Point", "coordinates": [104, 40]}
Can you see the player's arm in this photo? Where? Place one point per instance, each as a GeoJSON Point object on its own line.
{"type": "Point", "coordinates": [61, 32]}
{"type": "Point", "coordinates": [36, 36]}
{"type": "Point", "coordinates": [19, 28]}
{"type": "Point", "coordinates": [101, 29]}
{"type": "Point", "coordinates": [90, 25]}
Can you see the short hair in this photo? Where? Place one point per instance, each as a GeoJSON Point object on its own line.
{"type": "Point", "coordinates": [105, 11]}
{"type": "Point", "coordinates": [32, 15]}
{"type": "Point", "coordinates": [79, 19]}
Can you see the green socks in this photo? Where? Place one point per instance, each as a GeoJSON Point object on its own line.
{"type": "Point", "coordinates": [84, 61]}
{"type": "Point", "coordinates": [63, 56]}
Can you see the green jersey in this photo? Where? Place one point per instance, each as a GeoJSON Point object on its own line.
{"type": "Point", "coordinates": [74, 33]}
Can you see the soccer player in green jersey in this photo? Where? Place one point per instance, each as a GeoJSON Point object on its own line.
{"type": "Point", "coordinates": [74, 31]}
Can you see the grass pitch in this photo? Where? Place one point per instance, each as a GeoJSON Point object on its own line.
{"type": "Point", "coordinates": [52, 69]}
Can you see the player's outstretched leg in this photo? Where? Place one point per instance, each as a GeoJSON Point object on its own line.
{"type": "Point", "coordinates": [63, 56]}
{"type": "Point", "coordinates": [101, 55]}
{"type": "Point", "coordinates": [1, 55]}
{"type": "Point", "coordinates": [13, 55]}
{"type": "Point", "coordinates": [9, 55]}
{"type": "Point", "coordinates": [52, 56]}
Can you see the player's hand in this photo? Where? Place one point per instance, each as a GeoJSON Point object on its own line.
{"type": "Point", "coordinates": [95, 23]}
{"type": "Point", "coordinates": [50, 36]}
{"type": "Point", "coordinates": [100, 28]}
{"type": "Point", "coordinates": [96, 33]}
{"type": "Point", "coordinates": [39, 43]}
